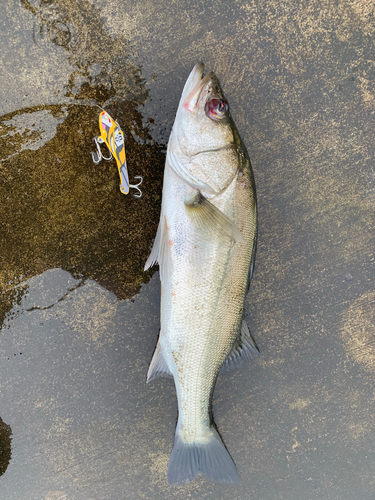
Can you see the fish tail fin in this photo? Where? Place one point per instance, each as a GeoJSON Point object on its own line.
{"type": "Point", "coordinates": [211, 458]}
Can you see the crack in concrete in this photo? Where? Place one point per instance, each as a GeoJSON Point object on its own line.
{"type": "Point", "coordinates": [43, 308]}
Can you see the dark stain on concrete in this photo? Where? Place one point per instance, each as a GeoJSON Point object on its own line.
{"type": "Point", "coordinates": [61, 210]}
{"type": "Point", "coordinates": [64, 211]}
{"type": "Point", "coordinates": [5, 446]}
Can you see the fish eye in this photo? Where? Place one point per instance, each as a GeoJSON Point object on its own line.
{"type": "Point", "coordinates": [217, 108]}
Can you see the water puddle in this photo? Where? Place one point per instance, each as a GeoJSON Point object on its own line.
{"type": "Point", "coordinates": [59, 209]}
{"type": "Point", "coordinates": [29, 131]}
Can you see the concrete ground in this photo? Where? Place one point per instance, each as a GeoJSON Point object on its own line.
{"type": "Point", "coordinates": [80, 317]}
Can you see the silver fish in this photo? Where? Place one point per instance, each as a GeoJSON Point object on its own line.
{"type": "Point", "coordinates": [205, 247]}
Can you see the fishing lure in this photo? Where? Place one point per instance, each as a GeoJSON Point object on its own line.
{"type": "Point", "coordinates": [112, 135]}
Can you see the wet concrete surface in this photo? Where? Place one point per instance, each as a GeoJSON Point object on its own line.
{"type": "Point", "coordinates": [80, 318]}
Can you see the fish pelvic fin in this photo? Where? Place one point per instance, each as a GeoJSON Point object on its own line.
{"type": "Point", "coordinates": [210, 458]}
{"type": "Point", "coordinates": [243, 350]}
{"type": "Point", "coordinates": [158, 366]}
{"type": "Point", "coordinates": [161, 251]}
{"type": "Point", "coordinates": [210, 220]}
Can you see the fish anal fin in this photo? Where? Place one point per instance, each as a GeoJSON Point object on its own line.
{"type": "Point", "coordinates": [158, 366]}
{"type": "Point", "coordinates": [210, 220]}
{"type": "Point", "coordinates": [243, 349]}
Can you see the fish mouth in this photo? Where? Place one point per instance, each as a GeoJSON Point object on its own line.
{"type": "Point", "coordinates": [194, 86]}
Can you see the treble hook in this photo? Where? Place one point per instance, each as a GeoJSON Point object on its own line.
{"type": "Point", "coordinates": [112, 135]}
{"type": "Point", "coordinates": [97, 157]}
{"type": "Point", "coordinates": [135, 186]}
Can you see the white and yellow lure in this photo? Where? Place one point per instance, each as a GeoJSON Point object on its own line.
{"type": "Point", "coordinates": [112, 135]}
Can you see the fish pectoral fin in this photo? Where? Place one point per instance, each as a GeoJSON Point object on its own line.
{"type": "Point", "coordinates": [158, 366]}
{"type": "Point", "coordinates": [243, 349]}
{"type": "Point", "coordinates": [161, 251]}
{"type": "Point", "coordinates": [210, 220]}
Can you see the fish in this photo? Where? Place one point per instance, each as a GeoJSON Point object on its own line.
{"type": "Point", "coordinates": [205, 247]}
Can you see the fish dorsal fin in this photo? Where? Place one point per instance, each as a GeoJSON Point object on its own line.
{"type": "Point", "coordinates": [181, 170]}
{"type": "Point", "coordinates": [161, 251]}
{"type": "Point", "coordinates": [210, 220]}
{"type": "Point", "coordinates": [243, 349]}
{"type": "Point", "coordinates": [158, 366]}
{"type": "Point", "coordinates": [252, 263]}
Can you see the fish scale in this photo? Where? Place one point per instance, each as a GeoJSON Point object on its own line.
{"type": "Point", "coordinates": [205, 245]}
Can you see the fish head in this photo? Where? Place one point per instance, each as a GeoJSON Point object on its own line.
{"type": "Point", "coordinates": [203, 122]}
